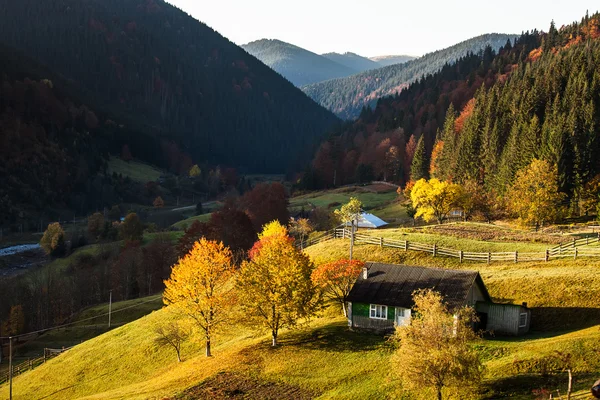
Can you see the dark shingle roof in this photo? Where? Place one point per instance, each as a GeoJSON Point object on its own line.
{"type": "Point", "coordinates": [393, 285]}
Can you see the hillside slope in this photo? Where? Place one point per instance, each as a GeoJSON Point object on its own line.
{"type": "Point", "coordinates": [296, 64]}
{"type": "Point", "coordinates": [126, 362]}
{"type": "Point", "coordinates": [347, 96]}
{"type": "Point", "coordinates": [173, 77]}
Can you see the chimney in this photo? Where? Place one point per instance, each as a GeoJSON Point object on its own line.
{"type": "Point", "coordinates": [365, 273]}
{"type": "Point", "coordinates": [525, 304]}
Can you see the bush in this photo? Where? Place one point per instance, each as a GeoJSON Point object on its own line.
{"type": "Point", "coordinates": [199, 209]}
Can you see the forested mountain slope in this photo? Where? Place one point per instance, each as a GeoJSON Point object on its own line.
{"type": "Point", "coordinates": [51, 144]}
{"type": "Point", "coordinates": [354, 61]}
{"type": "Point", "coordinates": [484, 118]}
{"type": "Point", "coordinates": [347, 96]}
{"type": "Point", "coordinates": [384, 61]}
{"type": "Point", "coordinates": [172, 77]}
{"type": "Point", "coordinates": [296, 64]}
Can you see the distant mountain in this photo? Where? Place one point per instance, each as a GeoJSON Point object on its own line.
{"type": "Point", "coordinates": [299, 66]}
{"type": "Point", "coordinates": [347, 96]}
{"type": "Point", "coordinates": [157, 69]}
{"type": "Point", "coordinates": [353, 61]}
{"type": "Point", "coordinates": [384, 61]}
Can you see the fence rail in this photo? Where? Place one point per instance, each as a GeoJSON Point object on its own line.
{"type": "Point", "coordinates": [31, 363]}
{"type": "Point", "coordinates": [573, 249]}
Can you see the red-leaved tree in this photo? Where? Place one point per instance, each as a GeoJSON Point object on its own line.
{"type": "Point", "coordinates": [335, 279]}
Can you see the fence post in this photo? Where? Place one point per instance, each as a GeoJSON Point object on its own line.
{"type": "Point", "coordinates": [587, 240]}
{"type": "Point", "coordinates": [547, 255]}
{"type": "Point", "coordinates": [574, 242]}
{"type": "Point", "coordinates": [575, 256]}
{"type": "Point", "coordinates": [516, 257]}
{"type": "Point", "coordinates": [434, 249]}
{"type": "Point", "coordinates": [381, 242]}
{"type": "Point", "coordinates": [489, 257]}
{"type": "Point", "coordinates": [406, 245]}
{"type": "Point", "coordinates": [460, 255]}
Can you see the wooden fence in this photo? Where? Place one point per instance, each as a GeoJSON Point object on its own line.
{"type": "Point", "coordinates": [31, 363]}
{"type": "Point", "coordinates": [573, 249]}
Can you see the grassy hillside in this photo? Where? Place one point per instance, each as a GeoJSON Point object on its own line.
{"type": "Point", "coordinates": [371, 196]}
{"type": "Point", "coordinates": [137, 171]}
{"type": "Point", "coordinates": [126, 362]}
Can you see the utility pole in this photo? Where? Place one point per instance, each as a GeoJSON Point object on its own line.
{"type": "Point", "coordinates": [351, 239]}
{"type": "Point", "coordinates": [109, 306]}
{"type": "Point", "coordinates": [10, 368]}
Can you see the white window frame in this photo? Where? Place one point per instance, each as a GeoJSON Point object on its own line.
{"type": "Point", "coordinates": [373, 311]}
{"type": "Point", "coordinates": [400, 312]}
{"type": "Point", "coordinates": [524, 325]}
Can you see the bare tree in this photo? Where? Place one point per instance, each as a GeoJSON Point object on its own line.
{"type": "Point", "coordinates": [171, 333]}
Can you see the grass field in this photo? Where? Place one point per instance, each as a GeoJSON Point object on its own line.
{"type": "Point", "coordinates": [181, 225]}
{"type": "Point", "coordinates": [135, 170]}
{"type": "Point", "coordinates": [337, 197]}
{"type": "Point", "coordinates": [325, 360]}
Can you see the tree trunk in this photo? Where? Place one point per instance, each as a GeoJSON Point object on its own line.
{"type": "Point", "coordinates": [439, 393]}
{"type": "Point", "coordinates": [274, 344]}
{"type": "Point", "coordinates": [178, 354]}
{"type": "Point", "coordinates": [208, 353]}
{"type": "Point", "coordinates": [344, 309]}
{"type": "Point", "coordinates": [570, 387]}
{"type": "Point", "coordinates": [351, 240]}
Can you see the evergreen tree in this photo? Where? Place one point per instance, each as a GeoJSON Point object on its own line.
{"type": "Point", "coordinates": [420, 164]}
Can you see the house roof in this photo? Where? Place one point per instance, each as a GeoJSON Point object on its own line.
{"type": "Point", "coordinates": [367, 220]}
{"type": "Point", "coordinates": [393, 285]}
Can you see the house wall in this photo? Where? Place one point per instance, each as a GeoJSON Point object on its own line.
{"type": "Point", "coordinates": [361, 318]}
{"type": "Point", "coordinates": [475, 295]}
{"type": "Point", "coordinates": [504, 318]}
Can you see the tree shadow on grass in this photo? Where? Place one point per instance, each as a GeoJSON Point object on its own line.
{"type": "Point", "coordinates": [72, 386]}
{"type": "Point", "coordinates": [524, 385]}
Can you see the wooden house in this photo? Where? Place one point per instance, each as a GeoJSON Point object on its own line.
{"type": "Point", "coordinates": [381, 297]}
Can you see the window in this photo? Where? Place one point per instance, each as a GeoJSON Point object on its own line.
{"type": "Point", "coordinates": [400, 312]}
{"type": "Point", "coordinates": [378, 312]}
{"type": "Point", "coordinates": [522, 320]}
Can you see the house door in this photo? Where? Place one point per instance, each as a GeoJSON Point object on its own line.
{"type": "Point", "coordinates": [402, 316]}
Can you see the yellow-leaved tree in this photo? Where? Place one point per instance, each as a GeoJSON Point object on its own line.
{"type": "Point", "coordinates": [534, 197]}
{"type": "Point", "coordinates": [349, 213]}
{"type": "Point", "coordinates": [434, 199]}
{"type": "Point", "coordinates": [201, 287]}
{"type": "Point", "coordinates": [195, 171]}
{"type": "Point", "coordinates": [435, 353]}
{"type": "Point", "coordinates": [275, 290]}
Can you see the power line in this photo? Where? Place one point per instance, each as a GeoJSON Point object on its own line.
{"type": "Point", "coordinates": [81, 320]}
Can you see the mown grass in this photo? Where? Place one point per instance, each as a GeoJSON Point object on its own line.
{"type": "Point", "coordinates": [135, 170]}
{"type": "Point", "coordinates": [323, 357]}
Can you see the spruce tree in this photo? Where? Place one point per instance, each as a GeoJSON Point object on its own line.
{"type": "Point", "coordinates": [420, 164]}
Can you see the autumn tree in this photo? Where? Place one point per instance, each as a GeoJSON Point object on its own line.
{"type": "Point", "coordinates": [434, 199]}
{"type": "Point", "coordinates": [301, 228]}
{"type": "Point", "coordinates": [265, 203]}
{"type": "Point", "coordinates": [192, 234]}
{"type": "Point", "coordinates": [349, 213]}
{"type": "Point", "coordinates": [115, 213]}
{"type": "Point", "coordinates": [200, 287]}
{"type": "Point", "coordinates": [274, 286]}
{"type": "Point", "coordinates": [126, 270]}
{"type": "Point", "coordinates": [435, 353]}
{"type": "Point", "coordinates": [16, 320]}
{"type": "Point", "coordinates": [132, 228]}
{"type": "Point", "coordinates": [53, 241]}
{"type": "Point", "coordinates": [158, 257]}
{"type": "Point", "coordinates": [195, 171]}
{"type": "Point", "coordinates": [95, 224]}
{"type": "Point", "coordinates": [233, 227]}
{"type": "Point", "coordinates": [534, 197]}
{"type": "Point", "coordinates": [158, 202]}
{"type": "Point", "coordinates": [335, 279]}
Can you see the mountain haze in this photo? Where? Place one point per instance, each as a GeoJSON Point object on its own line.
{"type": "Point", "coordinates": [296, 64]}
{"type": "Point", "coordinates": [384, 61]}
{"type": "Point", "coordinates": [353, 61]}
{"type": "Point", "coordinates": [347, 96]}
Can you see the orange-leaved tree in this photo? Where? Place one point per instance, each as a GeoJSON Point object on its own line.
{"type": "Point", "coordinates": [275, 288]}
{"type": "Point", "coordinates": [201, 286]}
{"type": "Point", "coordinates": [335, 279]}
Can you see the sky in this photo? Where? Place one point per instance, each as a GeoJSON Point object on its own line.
{"type": "Point", "coordinates": [378, 27]}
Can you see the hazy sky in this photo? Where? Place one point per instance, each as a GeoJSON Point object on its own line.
{"type": "Point", "coordinates": [378, 27]}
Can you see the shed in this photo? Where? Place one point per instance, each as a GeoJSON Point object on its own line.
{"type": "Point", "coordinates": [381, 297]}
{"type": "Point", "coordinates": [504, 319]}
{"type": "Point", "coordinates": [369, 221]}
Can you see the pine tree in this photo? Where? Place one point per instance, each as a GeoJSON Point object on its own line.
{"type": "Point", "coordinates": [420, 164]}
